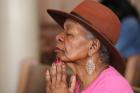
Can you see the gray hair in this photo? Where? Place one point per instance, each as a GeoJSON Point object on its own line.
{"type": "Point", "coordinates": [104, 53]}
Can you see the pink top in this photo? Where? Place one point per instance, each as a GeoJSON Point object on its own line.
{"type": "Point", "coordinates": [110, 81]}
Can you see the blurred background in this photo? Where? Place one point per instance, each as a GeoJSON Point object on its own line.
{"type": "Point", "coordinates": [27, 41]}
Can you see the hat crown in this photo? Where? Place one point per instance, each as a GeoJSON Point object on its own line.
{"type": "Point", "coordinates": [101, 18]}
{"type": "Point", "coordinates": [98, 19]}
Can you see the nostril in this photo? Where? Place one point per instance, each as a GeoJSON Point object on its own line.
{"type": "Point", "coordinates": [60, 38]}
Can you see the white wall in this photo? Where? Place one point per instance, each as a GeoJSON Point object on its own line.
{"type": "Point", "coordinates": [18, 39]}
{"type": "Point", "coordinates": [136, 3]}
{"type": "Point", "coordinates": [63, 5]}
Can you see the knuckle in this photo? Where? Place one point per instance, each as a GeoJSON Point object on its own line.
{"type": "Point", "coordinates": [63, 85]}
{"type": "Point", "coordinates": [57, 86]}
{"type": "Point", "coordinates": [53, 87]}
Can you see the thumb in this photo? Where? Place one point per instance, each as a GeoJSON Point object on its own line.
{"type": "Point", "coordinates": [73, 83]}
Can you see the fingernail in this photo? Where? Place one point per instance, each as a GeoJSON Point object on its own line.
{"type": "Point", "coordinates": [63, 65]}
{"type": "Point", "coordinates": [47, 72]}
{"type": "Point", "coordinates": [59, 62]}
{"type": "Point", "coordinates": [55, 61]}
{"type": "Point", "coordinates": [54, 66]}
{"type": "Point", "coordinates": [58, 59]}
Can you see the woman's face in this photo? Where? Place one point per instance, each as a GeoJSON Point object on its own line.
{"type": "Point", "coordinates": [71, 43]}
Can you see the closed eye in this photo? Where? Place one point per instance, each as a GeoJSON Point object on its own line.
{"type": "Point", "coordinates": [68, 34]}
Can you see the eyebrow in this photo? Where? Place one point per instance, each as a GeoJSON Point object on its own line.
{"type": "Point", "coordinates": [67, 26]}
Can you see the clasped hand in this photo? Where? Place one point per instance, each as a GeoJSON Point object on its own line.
{"type": "Point", "coordinates": [56, 79]}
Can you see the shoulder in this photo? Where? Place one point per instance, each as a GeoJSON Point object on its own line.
{"type": "Point", "coordinates": [114, 82]}
{"type": "Point", "coordinates": [130, 19]}
{"type": "Point", "coordinates": [130, 22]}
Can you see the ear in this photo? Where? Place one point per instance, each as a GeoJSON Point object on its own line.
{"type": "Point", "coordinates": [94, 46]}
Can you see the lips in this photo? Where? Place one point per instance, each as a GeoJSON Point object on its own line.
{"type": "Point", "coordinates": [57, 49]}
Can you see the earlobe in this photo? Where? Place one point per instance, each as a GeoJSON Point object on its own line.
{"type": "Point", "coordinates": [90, 53]}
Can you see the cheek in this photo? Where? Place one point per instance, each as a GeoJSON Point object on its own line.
{"type": "Point", "coordinates": [77, 50]}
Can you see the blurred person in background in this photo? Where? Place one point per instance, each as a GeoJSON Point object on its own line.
{"type": "Point", "coordinates": [87, 46]}
{"type": "Point", "coordinates": [129, 42]}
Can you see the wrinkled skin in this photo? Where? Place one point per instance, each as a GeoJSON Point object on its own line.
{"type": "Point", "coordinates": [56, 80]}
{"type": "Point", "coordinates": [72, 42]}
{"type": "Point", "coordinates": [72, 48]}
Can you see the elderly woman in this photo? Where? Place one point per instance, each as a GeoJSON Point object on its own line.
{"type": "Point", "coordinates": [86, 46]}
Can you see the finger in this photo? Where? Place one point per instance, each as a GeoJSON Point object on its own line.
{"type": "Point", "coordinates": [64, 75]}
{"type": "Point", "coordinates": [73, 84]}
{"type": "Point", "coordinates": [48, 76]}
{"type": "Point", "coordinates": [48, 81]}
{"type": "Point", "coordinates": [53, 74]}
{"type": "Point", "coordinates": [59, 72]}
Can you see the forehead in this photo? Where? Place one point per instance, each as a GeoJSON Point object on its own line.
{"type": "Point", "coordinates": [71, 24]}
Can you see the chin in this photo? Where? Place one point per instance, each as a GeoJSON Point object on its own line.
{"type": "Point", "coordinates": [65, 58]}
{"type": "Point", "coordinates": [61, 56]}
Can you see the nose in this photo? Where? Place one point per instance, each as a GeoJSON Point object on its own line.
{"type": "Point", "coordinates": [60, 37]}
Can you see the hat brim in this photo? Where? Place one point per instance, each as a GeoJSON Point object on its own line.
{"type": "Point", "coordinates": [116, 60]}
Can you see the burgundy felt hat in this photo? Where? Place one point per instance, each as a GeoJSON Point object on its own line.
{"type": "Point", "coordinates": [98, 19]}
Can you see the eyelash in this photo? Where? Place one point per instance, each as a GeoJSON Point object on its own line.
{"type": "Point", "coordinates": [68, 34]}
